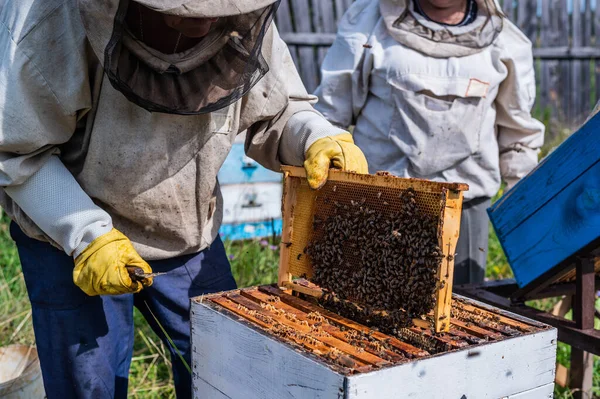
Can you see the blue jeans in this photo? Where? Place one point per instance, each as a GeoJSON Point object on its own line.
{"type": "Point", "coordinates": [85, 343]}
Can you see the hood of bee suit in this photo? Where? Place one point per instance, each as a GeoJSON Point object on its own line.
{"type": "Point", "coordinates": [415, 31]}
{"type": "Point", "coordinates": [205, 8]}
{"type": "Point", "coordinates": [213, 74]}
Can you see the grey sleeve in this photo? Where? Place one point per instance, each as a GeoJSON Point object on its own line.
{"type": "Point", "coordinates": [44, 90]}
{"type": "Point", "coordinates": [278, 113]}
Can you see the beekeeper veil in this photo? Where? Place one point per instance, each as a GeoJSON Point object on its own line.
{"type": "Point", "coordinates": [213, 74]}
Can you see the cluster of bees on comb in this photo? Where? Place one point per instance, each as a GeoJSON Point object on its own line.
{"type": "Point", "coordinates": [384, 261]}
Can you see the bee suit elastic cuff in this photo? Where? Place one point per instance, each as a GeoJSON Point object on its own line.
{"type": "Point", "coordinates": [57, 204]}
{"type": "Point", "coordinates": [301, 131]}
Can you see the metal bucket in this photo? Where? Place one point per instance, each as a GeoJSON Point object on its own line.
{"type": "Point", "coordinates": [20, 373]}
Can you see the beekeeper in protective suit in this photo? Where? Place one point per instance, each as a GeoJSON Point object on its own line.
{"type": "Point", "coordinates": [115, 117]}
{"type": "Point", "coordinates": [441, 90]}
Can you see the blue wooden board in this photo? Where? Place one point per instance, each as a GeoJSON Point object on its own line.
{"type": "Point", "coordinates": [247, 231]}
{"type": "Point", "coordinates": [577, 154]}
{"type": "Point", "coordinates": [555, 211]}
{"type": "Point", "coordinates": [239, 169]}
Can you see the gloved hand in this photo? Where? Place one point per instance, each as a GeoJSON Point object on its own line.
{"type": "Point", "coordinates": [100, 268]}
{"type": "Point", "coordinates": [338, 151]}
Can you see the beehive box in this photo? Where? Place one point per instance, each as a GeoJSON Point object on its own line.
{"type": "Point", "coordinates": [303, 208]}
{"type": "Point", "coordinates": [553, 215]}
{"type": "Point", "coordinates": [251, 197]}
{"type": "Point", "coordinates": [265, 343]}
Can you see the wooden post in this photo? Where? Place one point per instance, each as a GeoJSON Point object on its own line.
{"type": "Point", "coordinates": [582, 363]}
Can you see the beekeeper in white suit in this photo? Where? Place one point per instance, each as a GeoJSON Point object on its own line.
{"type": "Point", "coordinates": [115, 117]}
{"type": "Point", "coordinates": [441, 90]}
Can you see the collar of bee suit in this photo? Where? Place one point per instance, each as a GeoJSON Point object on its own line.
{"type": "Point", "coordinates": [415, 31]}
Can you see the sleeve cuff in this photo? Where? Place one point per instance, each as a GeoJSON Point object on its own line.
{"type": "Point", "coordinates": [301, 131]}
{"type": "Point", "coordinates": [57, 204]}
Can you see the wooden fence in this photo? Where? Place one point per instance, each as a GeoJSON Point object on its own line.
{"type": "Point", "coordinates": [567, 54]}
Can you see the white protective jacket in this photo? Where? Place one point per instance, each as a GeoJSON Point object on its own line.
{"type": "Point", "coordinates": [76, 157]}
{"type": "Point", "coordinates": [434, 102]}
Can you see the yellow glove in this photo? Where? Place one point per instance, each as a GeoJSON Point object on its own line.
{"type": "Point", "coordinates": [100, 268]}
{"type": "Point", "coordinates": [338, 151]}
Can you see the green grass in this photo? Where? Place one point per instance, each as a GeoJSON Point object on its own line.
{"type": "Point", "coordinates": [253, 263]}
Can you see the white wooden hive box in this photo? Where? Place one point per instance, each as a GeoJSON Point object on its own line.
{"type": "Point", "coordinates": [488, 353]}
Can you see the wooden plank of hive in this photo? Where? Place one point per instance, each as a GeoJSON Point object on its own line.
{"type": "Point", "coordinates": [406, 349]}
{"type": "Point", "coordinates": [315, 346]}
{"type": "Point", "coordinates": [364, 357]}
{"type": "Point", "coordinates": [475, 330]}
{"type": "Point", "coordinates": [511, 322]}
{"type": "Point", "coordinates": [262, 298]}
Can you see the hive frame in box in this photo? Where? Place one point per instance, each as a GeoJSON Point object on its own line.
{"type": "Point", "coordinates": [296, 195]}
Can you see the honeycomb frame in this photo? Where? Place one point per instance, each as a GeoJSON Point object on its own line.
{"type": "Point", "coordinates": [303, 206]}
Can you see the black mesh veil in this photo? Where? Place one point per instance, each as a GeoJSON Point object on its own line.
{"type": "Point", "coordinates": [217, 72]}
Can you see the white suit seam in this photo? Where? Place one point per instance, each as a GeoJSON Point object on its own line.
{"type": "Point", "coordinates": [46, 83]}
{"type": "Point", "coordinates": [35, 26]}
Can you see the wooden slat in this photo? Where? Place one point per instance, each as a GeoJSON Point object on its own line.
{"type": "Point", "coordinates": [362, 357]}
{"type": "Point", "coordinates": [475, 330]}
{"type": "Point", "coordinates": [324, 21]}
{"type": "Point", "coordinates": [565, 66]}
{"type": "Point", "coordinates": [260, 297]}
{"type": "Point", "coordinates": [306, 55]}
{"type": "Point", "coordinates": [586, 71]}
{"type": "Point", "coordinates": [508, 8]}
{"type": "Point", "coordinates": [406, 349]}
{"type": "Point", "coordinates": [466, 336]}
{"type": "Point", "coordinates": [340, 9]}
{"type": "Point", "coordinates": [516, 324]}
{"type": "Point", "coordinates": [576, 71]}
{"type": "Point", "coordinates": [442, 339]}
{"type": "Point", "coordinates": [545, 97]}
{"type": "Point", "coordinates": [527, 18]}
{"type": "Point", "coordinates": [551, 98]}
{"type": "Point", "coordinates": [283, 18]}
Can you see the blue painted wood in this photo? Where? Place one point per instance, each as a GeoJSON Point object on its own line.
{"type": "Point", "coordinates": [248, 231]}
{"type": "Point", "coordinates": [239, 169]}
{"type": "Point", "coordinates": [580, 151]}
{"type": "Point", "coordinates": [555, 211]}
{"type": "Point", "coordinates": [565, 225]}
